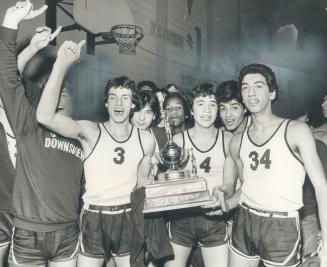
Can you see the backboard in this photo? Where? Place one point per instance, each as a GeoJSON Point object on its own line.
{"type": "Point", "coordinates": [100, 15]}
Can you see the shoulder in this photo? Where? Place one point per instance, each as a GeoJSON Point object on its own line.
{"type": "Point", "coordinates": [89, 129]}
{"type": "Point", "coordinates": [235, 143]}
{"type": "Point", "coordinates": [147, 141]}
{"type": "Point", "coordinates": [297, 130]}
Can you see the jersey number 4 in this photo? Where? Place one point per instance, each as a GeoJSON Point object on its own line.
{"type": "Point", "coordinates": [205, 165]}
{"type": "Point", "coordinates": [264, 160]}
{"type": "Point", "coordinates": [120, 155]}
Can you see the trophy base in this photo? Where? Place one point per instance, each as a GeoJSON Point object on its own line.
{"type": "Point", "coordinates": [178, 194]}
{"type": "Point", "coordinates": [174, 175]}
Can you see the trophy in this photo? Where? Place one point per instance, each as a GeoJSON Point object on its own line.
{"type": "Point", "coordinates": [178, 187]}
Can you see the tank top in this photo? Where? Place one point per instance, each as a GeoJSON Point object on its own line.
{"type": "Point", "coordinates": [111, 169]}
{"type": "Point", "coordinates": [273, 175]}
{"type": "Point", "coordinates": [210, 162]}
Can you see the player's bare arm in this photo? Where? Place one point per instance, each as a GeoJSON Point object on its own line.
{"type": "Point", "coordinates": [302, 143]}
{"type": "Point", "coordinates": [224, 194]}
{"type": "Point", "coordinates": [68, 53]}
{"type": "Point", "coordinates": [40, 40]}
{"type": "Point", "coordinates": [145, 165]}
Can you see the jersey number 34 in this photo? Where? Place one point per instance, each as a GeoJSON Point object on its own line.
{"type": "Point", "coordinates": [264, 159]}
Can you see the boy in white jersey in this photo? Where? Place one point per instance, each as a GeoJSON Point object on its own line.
{"type": "Point", "coordinates": [272, 156]}
{"type": "Point", "coordinates": [191, 227]}
{"type": "Point", "coordinates": [113, 151]}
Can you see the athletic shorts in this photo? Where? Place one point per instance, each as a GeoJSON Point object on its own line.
{"type": "Point", "coordinates": [191, 229]}
{"type": "Point", "coordinates": [6, 225]}
{"type": "Point", "coordinates": [106, 231]}
{"type": "Point", "coordinates": [273, 237]}
{"type": "Point", "coordinates": [37, 248]}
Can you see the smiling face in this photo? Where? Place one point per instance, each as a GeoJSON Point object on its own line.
{"type": "Point", "coordinates": [119, 104]}
{"type": "Point", "coordinates": [255, 93]}
{"type": "Point", "coordinates": [142, 119]}
{"type": "Point", "coordinates": [205, 110]}
{"type": "Point", "coordinates": [232, 114]}
{"type": "Point", "coordinates": [175, 110]}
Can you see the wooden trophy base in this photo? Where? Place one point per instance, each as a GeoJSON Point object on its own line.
{"type": "Point", "coordinates": [176, 193]}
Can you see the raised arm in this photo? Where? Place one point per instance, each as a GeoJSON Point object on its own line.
{"type": "Point", "coordinates": [40, 40]}
{"type": "Point", "coordinates": [46, 114]}
{"type": "Point", "coordinates": [20, 113]}
{"type": "Point", "coordinates": [300, 138]}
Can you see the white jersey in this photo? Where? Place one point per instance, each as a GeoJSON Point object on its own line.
{"type": "Point", "coordinates": [273, 175]}
{"type": "Point", "coordinates": [111, 169]}
{"type": "Point", "coordinates": [209, 163]}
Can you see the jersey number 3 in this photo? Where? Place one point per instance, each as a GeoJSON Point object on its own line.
{"type": "Point", "coordinates": [264, 160]}
{"type": "Point", "coordinates": [205, 165]}
{"type": "Point", "coordinates": [120, 155]}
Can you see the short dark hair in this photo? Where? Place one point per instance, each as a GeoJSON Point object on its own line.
{"type": "Point", "coordinates": [204, 89]}
{"type": "Point", "coordinates": [140, 86]}
{"type": "Point", "coordinates": [144, 98]}
{"type": "Point", "coordinates": [227, 91]}
{"type": "Point", "coordinates": [266, 72]}
{"type": "Point", "coordinates": [122, 81]}
{"type": "Point", "coordinates": [181, 98]}
{"type": "Point", "coordinates": [166, 88]}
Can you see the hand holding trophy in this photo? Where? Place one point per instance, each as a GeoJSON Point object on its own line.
{"type": "Point", "coordinates": [176, 188]}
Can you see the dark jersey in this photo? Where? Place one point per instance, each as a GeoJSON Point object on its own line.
{"type": "Point", "coordinates": [47, 189]}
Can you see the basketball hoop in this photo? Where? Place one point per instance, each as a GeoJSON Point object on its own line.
{"type": "Point", "coordinates": [127, 37]}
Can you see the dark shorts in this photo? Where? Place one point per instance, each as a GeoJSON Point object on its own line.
{"type": "Point", "coordinates": [274, 238]}
{"type": "Point", "coordinates": [37, 248]}
{"type": "Point", "coordinates": [191, 229]}
{"type": "Point", "coordinates": [106, 234]}
{"type": "Point", "coordinates": [6, 225]}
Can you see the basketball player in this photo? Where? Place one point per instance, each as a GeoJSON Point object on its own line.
{"type": "Point", "coordinates": [191, 227]}
{"type": "Point", "coordinates": [46, 223]}
{"type": "Point", "coordinates": [272, 156]}
{"type": "Point", "coordinates": [113, 151]}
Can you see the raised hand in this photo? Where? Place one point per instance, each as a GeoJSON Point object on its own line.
{"type": "Point", "coordinates": [69, 52]}
{"type": "Point", "coordinates": [43, 37]}
{"type": "Point", "coordinates": [23, 10]}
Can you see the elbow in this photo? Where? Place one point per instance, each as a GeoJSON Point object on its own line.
{"type": "Point", "coordinates": [43, 118]}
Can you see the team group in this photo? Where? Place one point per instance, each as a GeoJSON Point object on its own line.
{"type": "Point", "coordinates": [70, 188]}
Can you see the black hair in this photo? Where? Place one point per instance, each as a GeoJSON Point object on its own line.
{"type": "Point", "coordinates": [227, 91]}
{"type": "Point", "coordinates": [144, 98]}
{"type": "Point", "coordinates": [166, 88]}
{"type": "Point", "coordinates": [266, 72]}
{"type": "Point", "coordinates": [204, 89]}
{"type": "Point", "coordinates": [146, 85]}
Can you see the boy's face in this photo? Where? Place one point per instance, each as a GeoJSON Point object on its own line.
{"type": "Point", "coordinates": [205, 110]}
{"type": "Point", "coordinates": [119, 104]}
{"type": "Point", "coordinates": [255, 92]}
{"type": "Point", "coordinates": [232, 114]}
{"type": "Point", "coordinates": [143, 118]}
{"type": "Point", "coordinates": [175, 110]}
